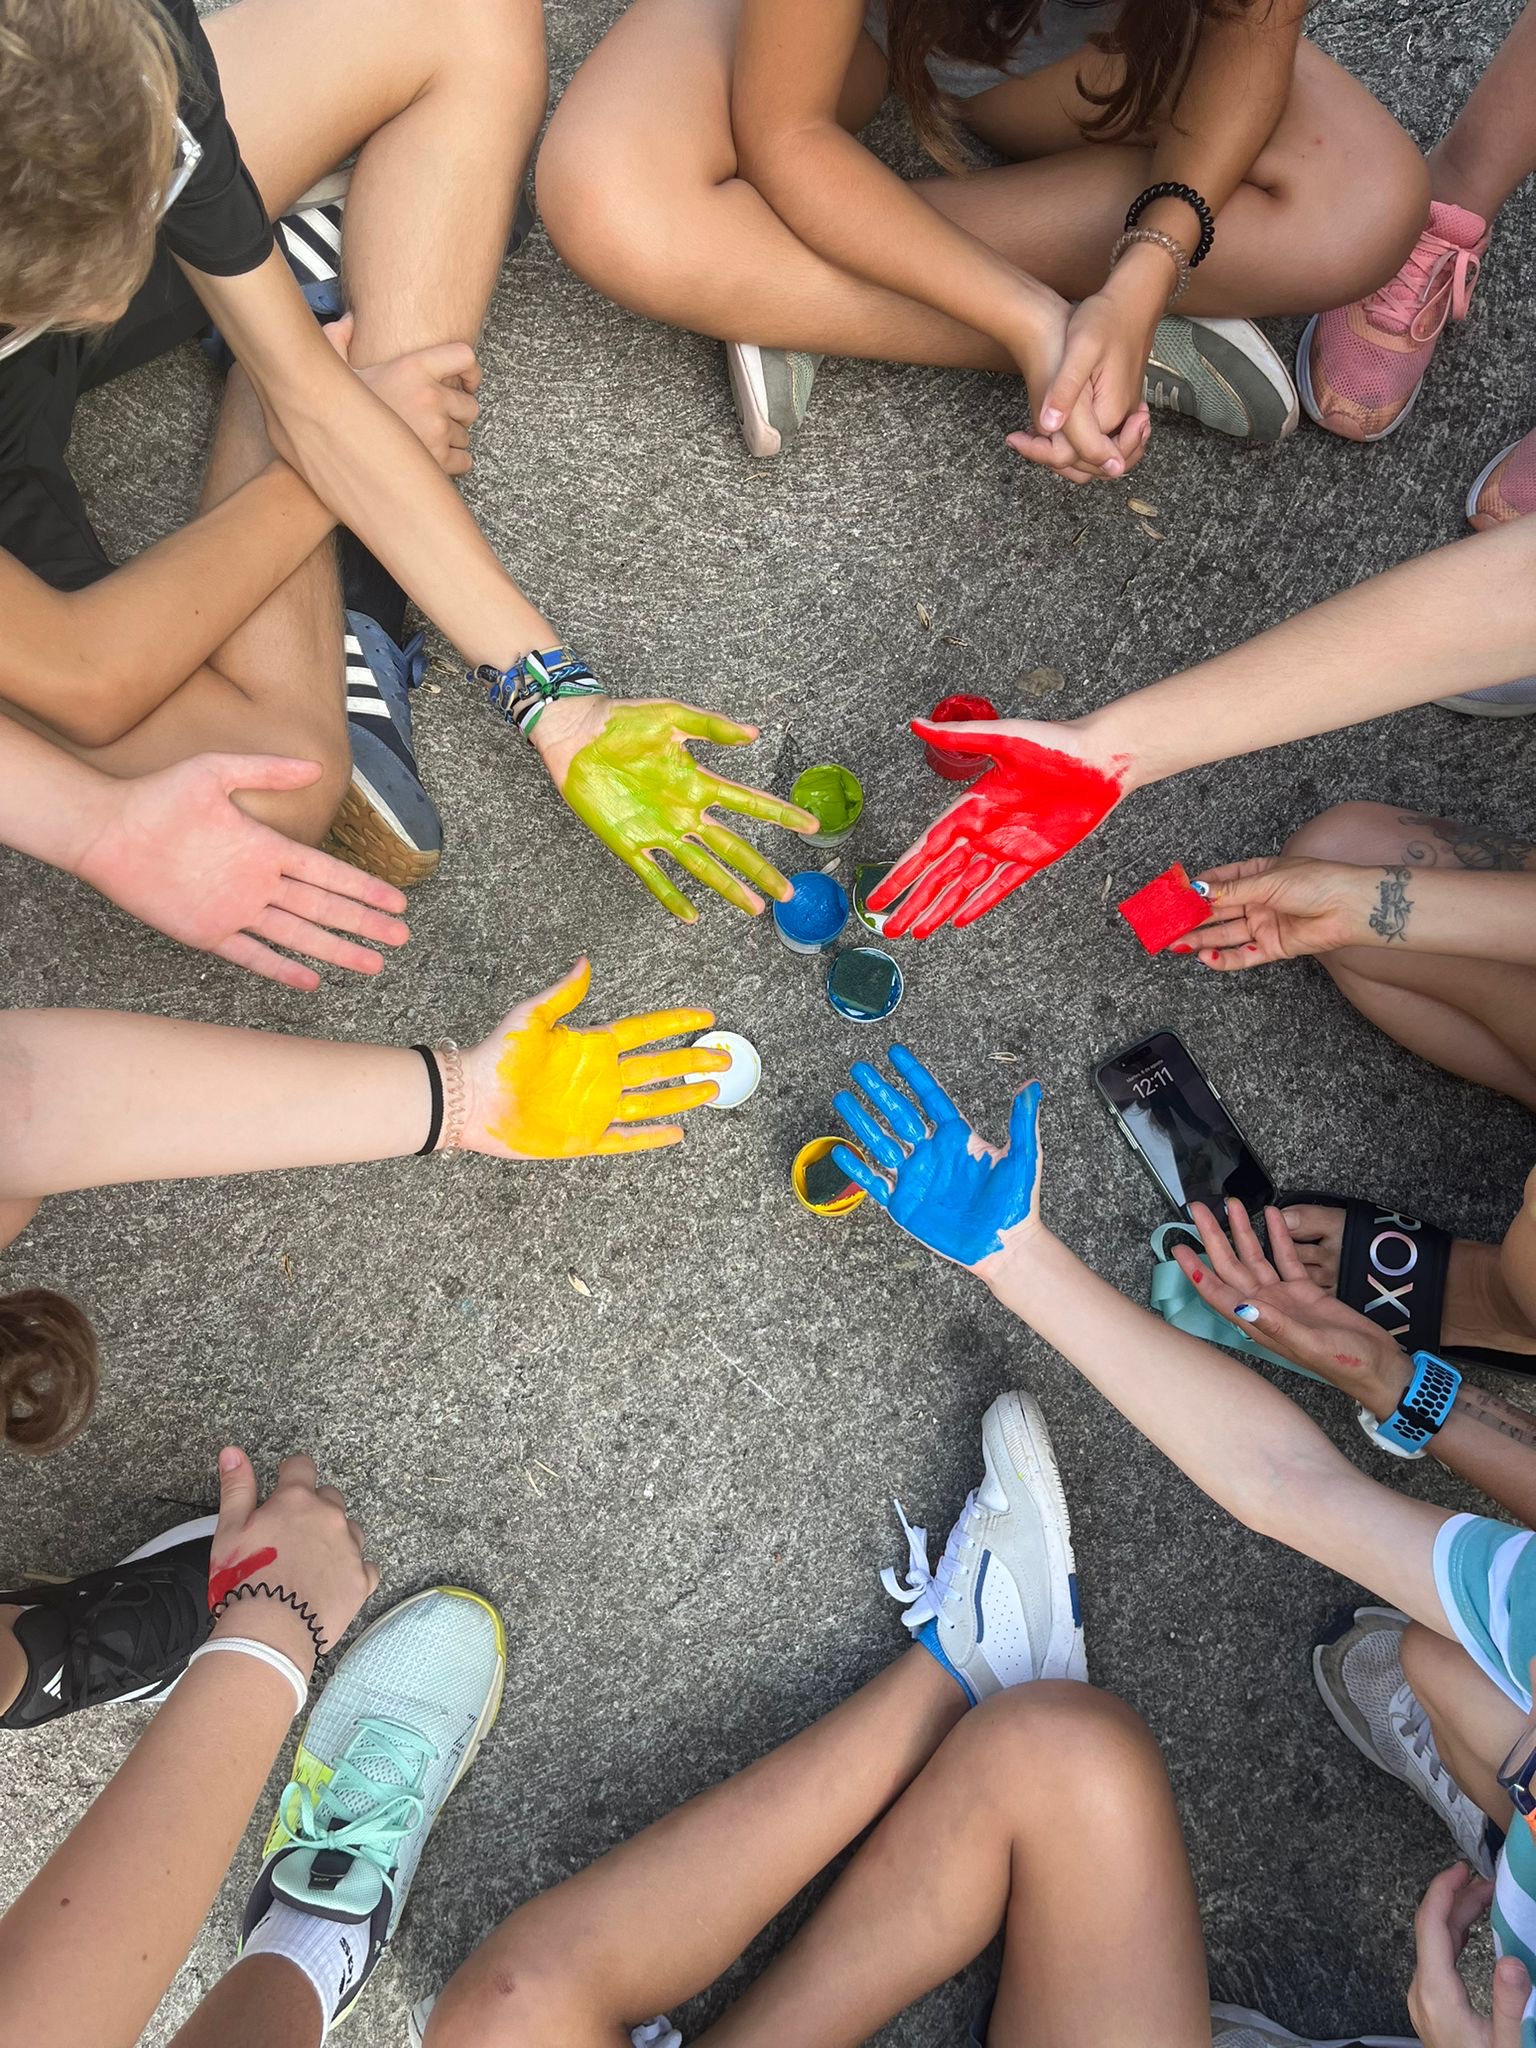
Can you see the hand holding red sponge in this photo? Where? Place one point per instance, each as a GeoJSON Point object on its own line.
{"type": "Point", "coordinates": [1167, 908]}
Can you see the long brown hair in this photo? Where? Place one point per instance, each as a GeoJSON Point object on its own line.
{"type": "Point", "coordinates": [1156, 40]}
{"type": "Point", "coordinates": [49, 1371]}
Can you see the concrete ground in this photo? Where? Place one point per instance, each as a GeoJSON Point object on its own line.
{"type": "Point", "coordinates": [675, 1480]}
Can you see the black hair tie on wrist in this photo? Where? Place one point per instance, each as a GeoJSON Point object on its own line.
{"type": "Point", "coordinates": [435, 1083]}
{"type": "Point", "coordinates": [1191, 198]}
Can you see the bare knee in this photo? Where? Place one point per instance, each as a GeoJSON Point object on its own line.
{"type": "Point", "coordinates": [626, 219]}
{"type": "Point", "coordinates": [509, 1995]}
{"type": "Point", "coordinates": [1364, 835]}
{"type": "Point", "coordinates": [490, 42]}
{"type": "Point", "coordinates": [307, 814]}
{"type": "Point", "coordinates": [1361, 200]}
{"type": "Point", "coordinates": [1085, 1745]}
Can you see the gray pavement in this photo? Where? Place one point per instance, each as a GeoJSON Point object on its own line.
{"type": "Point", "coordinates": [675, 1482]}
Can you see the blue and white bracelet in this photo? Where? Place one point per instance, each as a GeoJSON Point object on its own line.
{"type": "Point", "coordinates": [520, 693]}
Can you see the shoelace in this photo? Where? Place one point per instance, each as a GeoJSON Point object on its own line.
{"type": "Point", "coordinates": [1422, 292]}
{"type": "Point", "coordinates": [384, 1811]}
{"type": "Point", "coordinates": [167, 1617]}
{"type": "Point", "coordinates": [1414, 1729]}
{"type": "Point", "coordinates": [413, 658]}
{"type": "Point", "coordinates": [922, 1592]}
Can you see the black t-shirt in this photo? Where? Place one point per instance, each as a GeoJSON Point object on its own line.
{"type": "Point", "coordinates": [218, 224]}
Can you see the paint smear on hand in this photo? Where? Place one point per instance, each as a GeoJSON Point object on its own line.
{"type": "Point", "coordinates": [949, 1193]}
{"type": "Point", "coordinates": [1165, 909]}
{"type": "Point", "coordinates": [223, 1581]}
{"type": "Point", "coordinates": [1197, 1275]}
{"type": "Point", "coordinates": [1032, 806]}
{"type": "Point", "coordinates": [564, 1089]}
{"type": "Point", "coordinates": [639, 789]}
{"type": "Point", "coordinates": [1345, 1358]}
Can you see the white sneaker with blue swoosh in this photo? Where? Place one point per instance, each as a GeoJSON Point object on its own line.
{"type": "Point", "coordinates": [1002, 1607]}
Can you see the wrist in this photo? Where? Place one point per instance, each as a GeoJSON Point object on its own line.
{"type": "Point", "coordinates": [75, 826]}
{"type": "Point", "coordinates": [273, 1622]}
{"type": "Point", "coordinates": [1385, 1380]}
{"type": "Point", "coordinates": [1143, 280]}
{"type": "Point", "coordinates": [1024, 1264]}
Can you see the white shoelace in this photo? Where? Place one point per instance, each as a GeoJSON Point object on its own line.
{"type": "Point", "coordinates": [922, 1592]}
{"type": "Point", "coordinates": [1413, 1729]}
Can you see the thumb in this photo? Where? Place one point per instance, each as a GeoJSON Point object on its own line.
{"type": "Point", "coordinates": [965, 736]}
{"type": "Point", "coordinates": [1023, 1127]}
{"type": "Point", "coordinates": [1067, 385]}
{"type": "Point", "coordinates": [339, 334]}
{"type": "Point", "coordinates": [566, 995]}
{"type": "Point", "coordinates": [449, 359]}
{"type": "Point", "coordinates": [237, 1494]}
{"type": "Point", "coordinates": [1511, 1993]}
{"type": "Point", "coordinates": [263, 771]}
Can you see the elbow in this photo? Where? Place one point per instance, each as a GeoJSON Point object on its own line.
{"type": "Point", "coordinates": [770, 157]}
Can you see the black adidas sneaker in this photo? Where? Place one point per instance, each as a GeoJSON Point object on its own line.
{"type": "Point", "coordinates": [387, 823]}
{"type": "Point", "coordinates": [120, 1634]}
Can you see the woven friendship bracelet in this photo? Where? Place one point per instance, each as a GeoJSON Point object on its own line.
{"type": "Point", "coordinates": [1168, 189]}
{"type": "Point", "coordinates": [521, 692]}
{"type": "Point", "coordinates": [1157, 240]}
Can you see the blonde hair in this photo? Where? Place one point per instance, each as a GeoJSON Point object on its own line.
{"type": "Point", "coordinates": [88, 95]}
{"type": "Point", "coordinates": [50, 1370]}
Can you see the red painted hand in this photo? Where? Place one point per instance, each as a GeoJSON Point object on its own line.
{"type": "Point", "coordinates": [1033, 805]}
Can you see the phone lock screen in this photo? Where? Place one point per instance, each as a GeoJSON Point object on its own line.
{"type": "Point", "coordinates": [1184, 1133]}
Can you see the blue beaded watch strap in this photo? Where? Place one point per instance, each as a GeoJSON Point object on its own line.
{"type": "Point", "coordinates": [1428, 1400]}
{"type": "Point", "coordinates": [521, 692]}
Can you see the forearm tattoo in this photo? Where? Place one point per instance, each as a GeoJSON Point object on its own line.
{"type": "Point", "coordinates": [1497, 1415]}
{"type": "Point", "coordinates": [1394, 906]}
{"type": "Point", "coordinates": [1467, 846]}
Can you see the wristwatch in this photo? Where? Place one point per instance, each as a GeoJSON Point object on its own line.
{"type": "Point", "coordinates": [1427, 1401]}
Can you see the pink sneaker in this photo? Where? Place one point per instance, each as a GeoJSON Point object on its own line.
{"type": "Point", "coordinates": [1359, 368]}
{"type": "Point", "coordinates": [1506, 488]}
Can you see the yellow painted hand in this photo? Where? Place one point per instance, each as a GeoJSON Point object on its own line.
{"type": "Point", "coordinates": [541, 1089]}
{"type": "Point", "coordinates": [625, 770]}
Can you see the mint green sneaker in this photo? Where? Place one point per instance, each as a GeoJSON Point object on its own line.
{"type": "Point", "coordinates": [771, 388]}
{"type": "Point", "coordinates": [1223, 373]}
{"type": "Point", "coordinates": [397, 1726]}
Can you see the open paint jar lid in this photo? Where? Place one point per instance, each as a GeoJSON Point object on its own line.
{"type": "Point", "coordinates": [819, 1184]}
{"type": "Point", "coordinates": [864, 984]}
{"type": "Point", "coordinates": [814, 914]}
{"type": "Point", "coordinates": [740, 1079]}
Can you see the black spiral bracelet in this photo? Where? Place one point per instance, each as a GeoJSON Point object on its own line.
{"type": "Point", "coordinates": [1191, 198]}
{"type": "Point", "coordinates": [306, 1614]}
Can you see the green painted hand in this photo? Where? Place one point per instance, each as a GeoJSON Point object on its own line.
{"type": "Point", "coordinates": [625, 769]}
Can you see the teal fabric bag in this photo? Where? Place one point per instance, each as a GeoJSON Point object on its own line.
{"type": "Point", "coordinates": [1176, 1301]}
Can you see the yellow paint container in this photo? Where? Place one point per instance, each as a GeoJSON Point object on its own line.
{"type": "Point", "coordinates": [812, 1155]}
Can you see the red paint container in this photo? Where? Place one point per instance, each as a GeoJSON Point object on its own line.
{"type": "Point", "coordinates": [942, 760]}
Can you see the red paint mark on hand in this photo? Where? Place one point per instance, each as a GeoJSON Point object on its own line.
{"type": "Point", "coordinates": [1165, 909]}
{"type": "Point", "coordinates": [1197, 1274]}
{"type": "Point", "coordinates": [222, 1583]}
{"type": "Point", "coordinates": [1345, 1358]}
{"type": "Point", "coordinates": [1033, 805]}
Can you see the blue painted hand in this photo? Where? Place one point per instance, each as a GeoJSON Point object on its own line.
{"type": "Point", "coordinates": [945, 1186]}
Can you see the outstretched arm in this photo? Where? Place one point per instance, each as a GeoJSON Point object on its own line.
{"type": "Point", "coordinates": [91, 1098]}
{"type": "Point", "coordinates": [1484, 1440]}
{"type": "Point", "coordinates": [1343, 662]}
{"type": "Point", "coordinates": [1237, 1437]}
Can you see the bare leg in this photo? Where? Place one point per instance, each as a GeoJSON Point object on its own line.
{"type": "Point", "coordinates": [443, 97]}
{"type": "Point", "coordinates": [1474, 1724]}
{"type": "Point", "coordinates": [1046, 1812]}
{"type": "Point", "coordinates": [263, 2003]}
{"type": "Point", "coordinates": [275, 686]}
{"type": "Point", "coordinates": [664, 225]}
{"type": "Point", "coordinates": [1477, 1019]}
{"type": "Point", "coordinates": [1491, 146]}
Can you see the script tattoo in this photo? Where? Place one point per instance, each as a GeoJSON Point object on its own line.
{"type": "Point", "coordinates": [1389, 920]}
{"type": "Point", "coordinates": [1498, 1415]}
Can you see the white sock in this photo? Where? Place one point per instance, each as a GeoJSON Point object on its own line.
{"type": "Point", "coordinates": [331, 1953]}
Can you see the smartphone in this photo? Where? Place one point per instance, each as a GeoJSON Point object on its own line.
{"type": "Point", "coordinates": [1178, 1126]}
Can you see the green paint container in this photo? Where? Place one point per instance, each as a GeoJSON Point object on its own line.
{"type": "Point", "coordinates": [833, 795]}
{"type": "Point", "coordinates": [867, 877]}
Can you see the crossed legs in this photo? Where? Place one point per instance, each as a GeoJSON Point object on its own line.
{"type": "Point", "coordinates": [1045, 1814]}
{"type": "Point", "coordinates": [661, 222]}
{"type": "Point", "coordinates": [442, 99]}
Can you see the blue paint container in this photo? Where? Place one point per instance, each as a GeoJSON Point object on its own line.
{"type": "Point", "coordinates": [814, 915]}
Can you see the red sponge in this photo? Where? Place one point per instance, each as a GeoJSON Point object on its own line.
{"type": "Point", "coordinates": [1165, 909]}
